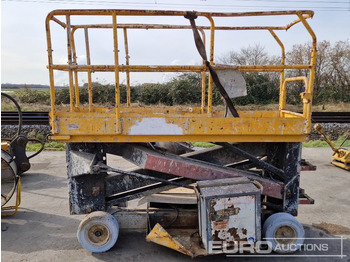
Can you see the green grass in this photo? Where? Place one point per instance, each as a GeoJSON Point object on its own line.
{"type": "Point", "coordinates": [14, 90]}
{"type": "Point", "coordinates": [311, 143]}
{"type": "Point", "coordinates": [321, 143]}
{"type": "Point", "coordinates": [49, 146]}
{"type": "Point", "coordinates": [202, 144]}
{"type": "Point", "coordinates": [58, 146]}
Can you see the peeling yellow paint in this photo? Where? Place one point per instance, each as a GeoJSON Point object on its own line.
{"type": "Point", "coordinates": [161, 237]}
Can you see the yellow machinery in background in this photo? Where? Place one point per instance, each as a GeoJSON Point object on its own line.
{"type": "Point", "coordinates": [14, 162]}
{"type": "Point", "coordinates": [10, 182]}
{"type": "Point", "coordinates": [341, 156]}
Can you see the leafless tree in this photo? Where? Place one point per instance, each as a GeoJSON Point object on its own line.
{"type": "Point", "coordinates": [332, 72]}
{"type": "Point", "coordinates": [252, 55]}
{"type": "Point", "coordinates": [332, 65]}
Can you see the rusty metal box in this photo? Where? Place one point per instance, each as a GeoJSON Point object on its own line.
{"type": "Point", "coordinates": [229, 213]}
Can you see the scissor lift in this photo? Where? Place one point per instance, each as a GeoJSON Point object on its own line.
{"type": "Point", "coordinates": [261, 146]}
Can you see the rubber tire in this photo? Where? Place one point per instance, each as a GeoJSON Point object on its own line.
{"type": "Point", "coordinates": [283, 219]}
{"type": "Point", "coordinates": [95, 219]}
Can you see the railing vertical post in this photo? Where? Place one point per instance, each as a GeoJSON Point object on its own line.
{"type": "Point", "coordinates": [211, 60]}
{"type": "Point", "coordinates": [51, 76]}
{"type": "Point", "coordinates": [283, 96]}
{"type": "Point", "coordinates": [70, 72]}
{"type": "Point", "coordinates": [116, 73]}
{"type": "Point", "coordinates": [128, 95]}
{"type": "Point", "coordinates": [282, 75]}
{"type": "Point", "coordinates": [88, 61]}
{"type": "Point", "coordinates": [204, 80]}
{"type": "Point", "coordinates": [76, 82]}
{"type": "Point", "coordinates": [308, 102]}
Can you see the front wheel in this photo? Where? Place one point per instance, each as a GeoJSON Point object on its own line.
{"type": "Point", "coordinates": [98, 232]}
{"type": "Point", "coordinates": [284, 232]}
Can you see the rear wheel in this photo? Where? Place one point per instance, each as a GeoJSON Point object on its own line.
{"type": "Point", "coordinates": [284, 232]}
{"type": "Point", "coordinates": [98, 232]}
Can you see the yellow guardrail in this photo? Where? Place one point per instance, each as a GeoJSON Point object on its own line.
{"type": "Point", "coordinates": [64, 19]}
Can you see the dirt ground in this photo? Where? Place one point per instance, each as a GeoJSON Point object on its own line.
{"type": "Point", "coordinates": [43, 230]}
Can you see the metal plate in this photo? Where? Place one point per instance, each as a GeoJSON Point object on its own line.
{"type": "Point", "coordinates": [233, 82]}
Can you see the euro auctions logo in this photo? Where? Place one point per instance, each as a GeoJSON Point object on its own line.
{"type": "Point", "coordinates": [312, 247]}
{"type": "Point", "coordinates": [241, 247]}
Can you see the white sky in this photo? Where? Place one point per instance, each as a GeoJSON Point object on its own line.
{"type": "Point", "coordinates": [23, 36]}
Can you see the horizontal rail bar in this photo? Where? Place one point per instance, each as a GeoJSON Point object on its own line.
{"type": "Point", "coordinates": [162, 26]}
{"type": "Point", "coordinates": [131, 68]}
{"type": "Point", "coordinates": [287, 112]}
{"type": "Point", "coordinates": [173, 68]}
{"type": "Point", "coordinates": [107, 12]}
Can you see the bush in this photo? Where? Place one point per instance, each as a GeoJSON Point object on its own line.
{"type": "Point", "coordinates": [33, 96]}
{"type": "Point", "coordinates": [62, 96]}
{"type": "Point", "coordinates": [153, 94]}
{"type": "Point", "coordinates": [333, 94]}
{"type": "Point", "coordinates": [102, 94]}
{"type": "Point", "coordinates": [186, 89]}
{"type": "Point", "coordinates": [260, 90]}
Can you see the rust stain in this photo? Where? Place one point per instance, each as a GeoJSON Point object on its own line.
{"type": "Point", "coordinates": [181, 167]}
{"type": "Point", "coordinates": [217, 225]}
{"type": "Point", "coordinates": [95, 191]}
{"type": "Point", "coordinates": [228, 235]}
{"type": "Point", "coordinates": [212, 209]}
{"type": "Point", "coordinates": [215, 236]}
{"type": "Point", "coordinates": [233, 232]}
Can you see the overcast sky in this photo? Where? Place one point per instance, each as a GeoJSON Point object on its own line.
{"type": "Point", "coordinates": [23, 37]}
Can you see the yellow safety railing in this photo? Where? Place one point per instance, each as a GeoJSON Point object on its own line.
{"type": "Point", "coordinates": [73, 68]}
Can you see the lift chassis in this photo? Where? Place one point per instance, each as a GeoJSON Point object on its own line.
{"type": "Point", "coordinates": [243, 189]}
{"type": "Point", "coordinates": [94, 186]}
{"type": "Point", "coordinates": [92, 189]}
